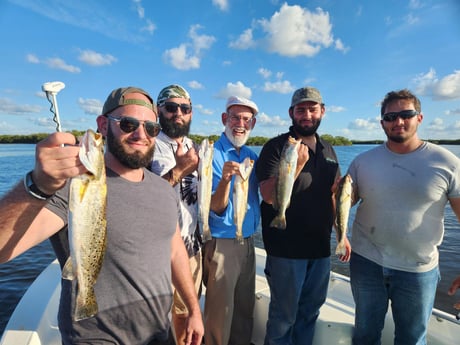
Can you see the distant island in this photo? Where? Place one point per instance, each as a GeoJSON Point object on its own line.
{"type": "Point", "coordinates": [252, 141]}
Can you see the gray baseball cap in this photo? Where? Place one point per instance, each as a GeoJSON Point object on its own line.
{"type": "Point", "coordinates": [117, 99]}
{"type": "Point", "coordinates": [306, 94]}
{"type": "Point", "coordinates": [237, 100]}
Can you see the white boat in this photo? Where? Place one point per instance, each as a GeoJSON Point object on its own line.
{"type": "Point", "coordinates": [34, 321]}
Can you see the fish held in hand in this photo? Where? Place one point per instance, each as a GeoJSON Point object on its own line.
{"type": "Point", "coordinates": [87, 225]}
{"type": "Point", "coordinates": [205, 153]}
{"type": "Point", "coordinates": [240, 196]}
{"type": "Point", "coordinates": [285, 181]}
{"type": "Point", "coordinates": [343, 205]}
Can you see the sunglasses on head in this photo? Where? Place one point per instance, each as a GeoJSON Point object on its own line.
{"type": "Point", "coordinates": [130, 124]}
{"type": "Point", "coordinates": [171, 107]}
{"type": "Point", "coordinates": [405, 114]}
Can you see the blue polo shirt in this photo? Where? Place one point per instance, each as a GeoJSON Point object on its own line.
{"type": "Point", "coordinates": [223, 226]}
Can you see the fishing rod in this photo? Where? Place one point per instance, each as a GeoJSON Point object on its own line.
{"type": "Point", "coordinates": [51, 89]}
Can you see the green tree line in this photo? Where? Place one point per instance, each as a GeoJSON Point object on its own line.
{"type": "Point", "coordinates": [252, 141]}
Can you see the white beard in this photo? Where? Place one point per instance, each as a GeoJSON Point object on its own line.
{"type": "Point", "coordinates": [239, 140]}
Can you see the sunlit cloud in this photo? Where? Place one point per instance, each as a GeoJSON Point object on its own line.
{"type": "Point", "coordinates": [93, 58]}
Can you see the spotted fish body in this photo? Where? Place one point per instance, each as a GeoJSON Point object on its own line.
{"type": "Point", "coordinates": [87, 225]}
{"type": "Point", "coordinates": [205, 153]}
{"type": "Point", "coordinates": [343, 205]}
{"type": "Point", "coordinates": [240, 196]}
{"type": "Point", "coordinates": [285, 181]}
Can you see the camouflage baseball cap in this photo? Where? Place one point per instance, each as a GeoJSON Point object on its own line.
{"type": "Point", "coordinates": [306, 94]}
{"type": "Point", "coordinates": [117, 99]}
{"type": "Point", "coordinates": [172, 91]}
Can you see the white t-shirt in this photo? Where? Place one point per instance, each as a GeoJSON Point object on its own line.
{"type": "Point", "coordinates": [399, 222]}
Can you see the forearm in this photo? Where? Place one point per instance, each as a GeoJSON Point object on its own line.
{"type": "Point", "coordinates": [219, 200]}
{"type": "Point", "coordinates": [17, 211]}
{"type": "Point", "coordinates": [267, 189]}
{"type": "Point", "coordinates": [173, 176]}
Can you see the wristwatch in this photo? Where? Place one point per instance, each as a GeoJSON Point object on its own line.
{"type": "Point", "coordinates": [32, 188]}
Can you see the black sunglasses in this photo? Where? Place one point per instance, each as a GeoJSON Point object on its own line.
{"type": "Point", "coordinates": [171, 107]}
{"type": "Point", "coordinates": [130, 124]}
{"type": "Point", "coordinates": [405, 114]}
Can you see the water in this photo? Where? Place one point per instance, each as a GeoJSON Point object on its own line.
{"type": "Point", "coordinates": [18, 274]}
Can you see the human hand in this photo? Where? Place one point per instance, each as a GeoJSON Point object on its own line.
{"type": "Point", "coordinates": [302, 155]}
{"type": "Point", "coordinates": [195, 330]}
{"type": "Point", "coordinates": [186, 162]}
{"type": "Point", "coordinates": [453, 288]}
{"type": "Point", "coordinates": [346, 257]}
{"type": "Point", "coordinates": [229, 169]}
{"type": "Point", "coordinates": [56, 160]}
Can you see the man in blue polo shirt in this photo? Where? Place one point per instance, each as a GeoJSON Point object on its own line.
{"type": "Point", "coordinates": [229, 305]}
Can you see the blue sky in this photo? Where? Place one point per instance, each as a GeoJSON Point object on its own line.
{"type": "Point", "coordinates": [352, 51]}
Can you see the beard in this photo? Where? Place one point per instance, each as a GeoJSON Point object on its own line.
{"type": "Point", "coordinates": [306, 131]}
{"type": "Point", "coordinates": [172, 129]}
{"type": "Point", "coordinates": [236, 141]}
{"type": "Point", "coordinates": [133, 160]}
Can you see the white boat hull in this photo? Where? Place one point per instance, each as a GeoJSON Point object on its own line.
{"type": "Point", "coordinates": [34, 321]}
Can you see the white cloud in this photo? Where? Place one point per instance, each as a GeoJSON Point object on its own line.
{"type": "Point", "coordinates": [90, 106]}
{"type": "Point", "coordinates": [365, 124]}
{"type": "Point", "coordinates": [437, 124]}
{"type": "Point", "coordinates": [58, 63]}
{"type": "Point", "coordinates": [93, 58]}
{"type": "Point", "coordinates": [446, 88]}
{"type": "Point", "coordinates": [188, 55]}
{"type": "Point", "coordinates": [149, 27]}
{"type": "Point", "coordinates": [453, 112]}
{"type": "Point", "coordinates": [202, 109]}
{"type": "Point", "coordinates": [265, 73]}
{"type": "Point", "coordinates": [335, 109]}
{"type": "Point", "coordinates": [295, 31]}
{"type": "Point", "coordinates": [237, 89]}
{"type": "Point", "coordinates": [9, 107]}
{"type": "Point", "coordinates": [32, 58]}
{"type": "Point", "coordinates": [221, 4]}
{"type": "Point", "coordinates": [195, 85]}
{"type": "Point", "coordinates": [244, 41]}
{"type": "Point", "coordinates": [281, 86]}
{"type": "Point", "coordinates": [271, 121]}
{"type": "Point", "coordinates": [139, 8]}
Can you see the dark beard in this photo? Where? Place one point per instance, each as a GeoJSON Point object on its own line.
{"type": "Point", "coordinates": [172, 129]}
{"type": "Point", "coordinates": [306, 132]}
{"type": "Point", "coordinates": [134, 160]}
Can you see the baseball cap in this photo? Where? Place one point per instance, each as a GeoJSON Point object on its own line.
{"type": "Point", "coordinates": [172, 91]}
{"type": "Point", "coordinates": [306, 94]}
{"type": "Point", "coordinates": [117, 99]}
{"type": "Point", "coordinates": [237, 100]}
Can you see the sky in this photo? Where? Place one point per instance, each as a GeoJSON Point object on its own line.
{"type": "Point", "coordinates": [354, 52]}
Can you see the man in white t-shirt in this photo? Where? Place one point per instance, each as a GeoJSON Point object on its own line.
{"type": "Point", "coordinates": [176, 160]}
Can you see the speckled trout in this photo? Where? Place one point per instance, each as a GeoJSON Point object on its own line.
{"type": "Point", "coordinates": [205, 153]}
{"type": "Point", "coordinates": [343, 201]}
{"type": "Point", "coordinates": [87, 225]}
{"type": "Point", "coordinates": [240, 196]}
{"type": "Point", "coordinates": [285, 181]}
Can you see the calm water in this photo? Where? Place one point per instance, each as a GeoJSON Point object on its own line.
{"type": "Point", "coordinates": [18, 274]}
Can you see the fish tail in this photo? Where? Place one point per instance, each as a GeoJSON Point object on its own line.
{"type": "Point", "coordinates": [86, 305]}
{"type": "Point", "coordinates": [279, 222]}
{"type": "Point", "coordinates": [206, 233]}
{"type": "Point", "coordinates": [340, 249]}
{"type": "Point", "coordinates": [239, 239]}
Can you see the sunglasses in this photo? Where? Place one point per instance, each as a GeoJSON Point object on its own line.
{"type": "Point", "coordinates": [405, 114]}
{"type": "Point", "coordinates": [171, 107]}
{"type": "Point", "coordinates": [130, 124]}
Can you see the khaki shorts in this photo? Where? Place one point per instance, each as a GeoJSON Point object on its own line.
{"type": "Point", "coordinates": [178, 306]}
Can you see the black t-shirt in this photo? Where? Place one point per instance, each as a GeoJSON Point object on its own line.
{"type": "Point", "coordinates": [309, 216]}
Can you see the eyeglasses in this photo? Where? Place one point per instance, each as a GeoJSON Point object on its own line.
{"type": "Point", "coordinates": [171, 107]}
{"type": "Point", "coordinates": [236, 119]}
{"type": "Point", "coordinates": [130, 124]}
{"type": "Point", "coordinates": [405, 114]}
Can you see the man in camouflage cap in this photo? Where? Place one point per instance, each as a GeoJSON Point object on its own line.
{"type": "Point", "coordinates": [176, 160]}
{"type": "Point", "coordinates": [299, 255]}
